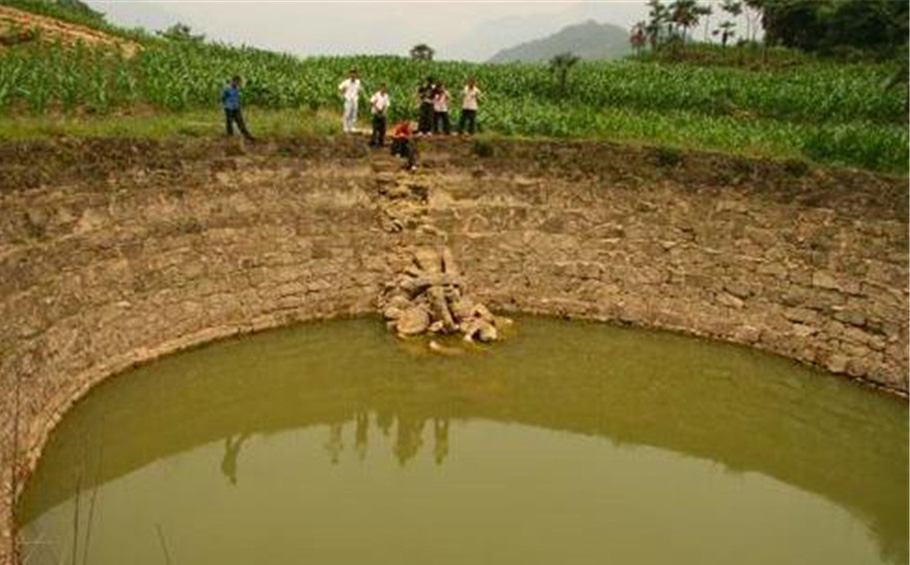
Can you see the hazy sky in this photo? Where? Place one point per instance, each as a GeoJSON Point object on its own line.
{"type": "Point", "coordinates": [472, 30]}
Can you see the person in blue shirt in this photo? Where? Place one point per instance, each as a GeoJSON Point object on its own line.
{"type": "Point", "coordinates": [230, 100]}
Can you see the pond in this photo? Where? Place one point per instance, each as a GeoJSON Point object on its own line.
{"type": "Point", "coordinates": [569, 442]}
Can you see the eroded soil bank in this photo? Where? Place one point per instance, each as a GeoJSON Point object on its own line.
{"type": "Point", "coordinates": [113, 252]}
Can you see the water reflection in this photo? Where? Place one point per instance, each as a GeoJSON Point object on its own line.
{"type": "Point", "coordinates": [748, 412]}
{"type": "Point", "coordinates": [361, 435]}
{"type": "Point", "coordinates": [441, 437]}
{"type": "Point", "coordinates": [334, 445]}
{"type": "Point", "coordinates": [231, 452]}
{"type": "Point", "coordinates": [408, 436]}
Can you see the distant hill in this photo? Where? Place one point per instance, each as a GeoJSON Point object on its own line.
{"type": "Point", "coordinates": [588, 40]}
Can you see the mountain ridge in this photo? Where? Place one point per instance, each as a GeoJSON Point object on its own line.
{"type": "Point", "coordinates": [587, 40]}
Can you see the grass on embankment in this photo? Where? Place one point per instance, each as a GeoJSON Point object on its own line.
{"type": "Point", "coordinates": [870, 146]}
{"type": "Point", "coordinates": [824, 112]}
{"type": "Point", "coordinates": [866, 145]}
{"type": "Point", "coordinates": [164, 125]}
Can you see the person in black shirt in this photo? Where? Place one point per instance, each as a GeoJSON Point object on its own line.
{"type": "Point", "coordinates": [425, 94]}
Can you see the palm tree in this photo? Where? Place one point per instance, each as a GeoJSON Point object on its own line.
{"type": "Point", "coordinates": [726, 32]}
{"type": "Point", "coordinates": [658, 16]}
{"type": "Point", "coordinates": [637, 38]}
{"type": "Point", "coordinates": [685, 14]}
{"type": "Point", "coordinates": [732, 7]}
{"type": "Point", "coordinates": [560, 65]}
{"type": "Point", "coordinates": [422, 52]}
{"type": "Point", "coordinates": [707, 11]}
{"type": "Point", "coordinates": [727, 28]}
{"type": "Point", "coordinates": [703, 11]}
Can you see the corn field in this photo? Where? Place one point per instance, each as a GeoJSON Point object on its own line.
{"type": "Point", "coordinates": [828, 112]}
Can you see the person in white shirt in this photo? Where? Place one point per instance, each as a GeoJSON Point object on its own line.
{"type": "Point", "coordinates": [441, 110]}
{"type": "Point", "coordinates": [350, 92]}
{"type": "Point", "coordinates": [379, 104]}
{"type": "Point", "coordinates": [469, 107]}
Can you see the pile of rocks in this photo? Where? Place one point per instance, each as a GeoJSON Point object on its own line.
{"type": "Point", "coordinates": [430, 296]}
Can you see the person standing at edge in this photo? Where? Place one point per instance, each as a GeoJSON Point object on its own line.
{"type": "Point", "coordinates": [441, 110]}
{"type": "Point", "coordinates": [230, 101]}
{"type": "Point", "coordinates": [350, 92]}
{"type": "Point", "coordinates": [425, 117]}
{"type": "Point", "coordinates": [379, 103]}
{"type": "Point", "coordinates": [469, 106]}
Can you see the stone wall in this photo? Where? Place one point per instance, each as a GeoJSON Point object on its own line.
{"type": "Point", "coordinates": [114, 253]}
{"type": "Point", "coordinates": [815, 284]}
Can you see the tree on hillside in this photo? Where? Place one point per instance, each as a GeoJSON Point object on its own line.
{"type": "Point", "coordinates": [702, 11]}
{"type": "Point", "coordinates": [685, 14]}
{"type": "Point", "coordinates": [422, 52]}
{"type": "Point", "coordinates": [754, 11]}
{"type": "Point", "coordinates": [670, 24]}
{"type": "Point", "coordinates": [658, 15]}
{"type": "Point", "coordinates": [829, 25]}
{"type": "Point", "coordinates": [707, 12]}
{"type": "Point", "coordinates": [794, 24]}
{"type": "Point", "coordinates": [638, 37]}
{"type": "Point", "coordinates": [733, 8]}
{"type": "Point", "coordinates": [727, 28]}
{"type": "Point", "coordinates": [181, 32]}
{"type": "Point", "coordinates": [869, 24]}
{"type": "Point", "coordinates": [560, 65]}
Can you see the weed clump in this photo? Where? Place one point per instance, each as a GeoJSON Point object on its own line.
{"type": "Point", "coordinates": [796, 167]}
{"type": "Point", "coordinates": [742, 166]}
{"type": "Point", "coordinates": [482, 148]}
{"type": "Point", "coordinates": [666, 156]}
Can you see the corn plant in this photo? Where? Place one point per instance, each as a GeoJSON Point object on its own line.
{"type": "Point", "coordinates": [830, 112]}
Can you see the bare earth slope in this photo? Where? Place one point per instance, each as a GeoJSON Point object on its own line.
{"type": "Point", "coordinates": [16, 26]}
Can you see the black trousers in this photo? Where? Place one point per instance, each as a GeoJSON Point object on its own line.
{"type": "Point", "coordinates": [379, 126]}
{"type": "Point", "coordinates": [405, 148]}
{"type": "Point", "coordinates": [468, 118]}
{"type": "Point", "coordinates": [232, 116]}
{"type": "Point", "coordinates": [441, 119]}
{"type": "Point", "coordinates": [425, 118]}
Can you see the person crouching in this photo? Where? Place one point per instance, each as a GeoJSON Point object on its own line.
{"type": "Point", "coordinates": [379, 104]}
{"type": "Point", "coordinates": [403, 145]}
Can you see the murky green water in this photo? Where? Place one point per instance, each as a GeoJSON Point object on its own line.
{"type": "Point", "coordinates": [570, 443]}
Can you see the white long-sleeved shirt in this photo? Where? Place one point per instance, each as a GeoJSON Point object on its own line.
{"type": "Point", "coordinates": [379, 102]}
{"type": "Point", "coordinates": [350, 88]}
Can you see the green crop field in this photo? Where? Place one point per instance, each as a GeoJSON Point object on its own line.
{"type": "Point", "coordinates": [826, 112]}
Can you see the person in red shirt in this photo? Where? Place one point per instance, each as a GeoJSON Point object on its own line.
{"type": "Point", "coordinates": [403, 144]}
